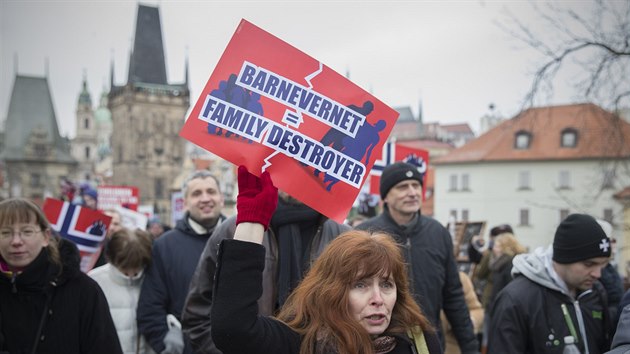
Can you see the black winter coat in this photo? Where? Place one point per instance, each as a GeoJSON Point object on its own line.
{"type": "Point", "coordinates": [77, 319]}
{"type": "Point", "coordinates": [527, 318]}
{"type": "Point", "coordinates": [433, 273]}
{"type": "Point", "coordinates": [175, 255]}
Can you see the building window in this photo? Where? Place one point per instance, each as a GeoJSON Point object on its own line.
{"type": "Point", "coordinates": [36, 179]}
{"type": "Point", "coordinates": [568, 138]}
{"type": "Point", "coordinates": [453, 214]}
{"type": "Point", "coordinates": [564, 180]}
{"type": "Point", "coordinates": [453, 183]}
{"type": "Point", "coordinates": [524, 217]}
{"type": "Point", "coordinates": [86, 123]}
{"type": "Point", "coordinates": [524, 180]}
{"type": "Point", "coordinates": [608, 180]}
{"type": "Point", "coordinates": [608, 216]}
{"type": "Point", "coordinates": [39, 149]}
{"type": "Point", "coordinates": [464, 214]}
{"type": "Point", "coordinates": [159, 188]}
{"type": "Point", "coordinates": [87, 152]}
{"type": "Point", "coordinates": [523, 140]}
{"type": "Point", "coordinates": [465, 182]}
{"type": "Point", "coordinates": [563, 214]}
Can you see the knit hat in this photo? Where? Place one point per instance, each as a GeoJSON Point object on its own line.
{"type": "Point", "coordinates": [501, 229]}
{"type": "Point", "coordinates": [579, 237]}
{"type": "Point", "coordinates": [395, 173]}
{"type": "Point", "coordinates": [91, 192]}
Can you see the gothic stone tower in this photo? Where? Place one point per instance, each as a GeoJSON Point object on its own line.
{"type": "Point", "coordinates": [147, 115]}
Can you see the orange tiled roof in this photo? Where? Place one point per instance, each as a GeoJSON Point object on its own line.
{"type": "Point", "coordinates": [600, 135]}
{"type": "Point", "coordinates": [457, 128]}
{"type": "Point", "coordinates": [425, 144]}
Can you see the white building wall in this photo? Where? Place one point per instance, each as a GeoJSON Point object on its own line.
{"type": "Point", "coordinates": [494, 195]}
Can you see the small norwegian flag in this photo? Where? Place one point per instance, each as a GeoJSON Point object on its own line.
{"type": "Point", "coordinates": [85, 227]}
{"type": "Point", "coordinates": [393, 152]}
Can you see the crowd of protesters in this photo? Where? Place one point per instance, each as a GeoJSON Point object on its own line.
{"type": "Point", "coordinates": [280, 277]}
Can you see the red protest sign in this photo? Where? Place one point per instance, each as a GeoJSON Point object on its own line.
{"type": "Point", "coordinates": [271, 107]}
{"type": "Point", "coordinates": [393, 152]}
{"type": "Point", "coordinates": [109, 197]}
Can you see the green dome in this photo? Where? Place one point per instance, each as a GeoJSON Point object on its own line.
{"type": "Point", "coordinates": [102, 114]}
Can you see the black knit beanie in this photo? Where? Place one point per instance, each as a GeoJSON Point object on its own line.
{"type": "Point", "coordinates": [395, 173]}
{"type": "Point", "coordinates": [579, 237]}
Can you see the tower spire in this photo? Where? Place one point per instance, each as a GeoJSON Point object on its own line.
{"type": "Point", "coordinates": [111, 72]}
{"type": "Point", "coordinates": [186, 69]}
{"type": "Point", "coordinates": [146, 62]}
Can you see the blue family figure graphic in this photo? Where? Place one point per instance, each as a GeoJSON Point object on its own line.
{"type": "Point", "coordinates": [97, 228]}
{"type": "Point", "coordinates": [230, 92]}
{"type": "Point", "coordinates": [360, 147]}
{"type": "Point", "coordinates": [334, 138]}
{"type": "Point", "coordinates": [220, 94]}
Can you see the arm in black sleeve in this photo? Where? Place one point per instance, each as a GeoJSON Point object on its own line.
{"type": "Point", "coordinates": [236, 326]}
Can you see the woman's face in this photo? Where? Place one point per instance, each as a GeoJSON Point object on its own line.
{"type": "Point", "coordinates": [497, 249]}
{"type": "Point", "coordinates": [372, 301]}
{"type": "Point", "coordinates": [21, 243]}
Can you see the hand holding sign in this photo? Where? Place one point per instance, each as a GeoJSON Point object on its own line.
{"type": "Point", "coordinates": [257, 198]}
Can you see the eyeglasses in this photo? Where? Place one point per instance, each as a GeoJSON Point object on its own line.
{"type": "Point", "coordinates": [25, 233]}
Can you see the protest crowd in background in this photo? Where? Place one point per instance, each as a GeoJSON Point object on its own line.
{"type": "Point", "coordinates": [159, 289]}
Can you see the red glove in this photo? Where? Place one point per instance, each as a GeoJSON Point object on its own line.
{"type": "Point", "coordinates": [257, 198]}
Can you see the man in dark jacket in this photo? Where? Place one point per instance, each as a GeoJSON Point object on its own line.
{"type": "Point", "coordinates": [556, 293]}
{"type": "Point", "coordinates": [296, 236]}
{"type": "Point", "coordinates": [175, 257]}
{"type": "Point", "coordinates": [428, 248]}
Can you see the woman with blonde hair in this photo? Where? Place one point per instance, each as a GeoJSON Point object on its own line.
{"type": "Point", "coordinates": [48, 305]}
{"type": "Point", "coordinates": [354, 300]}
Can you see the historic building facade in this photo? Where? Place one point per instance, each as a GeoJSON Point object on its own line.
{"type": "Point", "coordinates": [36, 159]}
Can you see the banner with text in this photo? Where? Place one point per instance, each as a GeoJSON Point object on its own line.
{"type": "Point", "coordinates": [269, 106]}
{"type": "Point", "coordinates": [109, 197]}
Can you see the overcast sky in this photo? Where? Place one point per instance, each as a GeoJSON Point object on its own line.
{"type": "Point", "coordinates": [451, 55]}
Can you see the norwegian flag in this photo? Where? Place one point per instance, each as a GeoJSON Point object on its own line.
{"type": "Point", "coordinates": [393, 152]}
{"type": "Point", "coordinates": [85, 227]}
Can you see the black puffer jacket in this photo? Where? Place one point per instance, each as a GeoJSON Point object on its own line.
{"type": "Point", "coordinates": [70, 307]}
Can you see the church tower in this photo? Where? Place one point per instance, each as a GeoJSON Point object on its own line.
{"type": "Point", "coordinates": [84, 145]}
{"type": "Point", "coordinates": [147, 115]}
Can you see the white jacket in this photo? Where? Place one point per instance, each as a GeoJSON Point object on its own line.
{"type": "Point", "coordinates": [122, 294]}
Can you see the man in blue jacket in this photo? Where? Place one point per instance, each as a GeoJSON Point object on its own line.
{"type": "Point", "coordinates": [175, 257]}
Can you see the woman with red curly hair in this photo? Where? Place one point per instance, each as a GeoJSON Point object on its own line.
{"type": "Point", "coordinates": [355, 298]}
